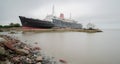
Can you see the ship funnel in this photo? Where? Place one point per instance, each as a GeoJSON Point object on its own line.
{"type": "Point", "coordinates": [62, 16]}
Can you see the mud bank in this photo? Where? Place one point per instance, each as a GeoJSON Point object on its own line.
{"type": "Point", "coordinates": [62, 30]}
{"type": "Point", "coordinates": [51, 30]}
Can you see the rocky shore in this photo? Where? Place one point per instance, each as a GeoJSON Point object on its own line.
{"type": "Point", "coordinates": [13, 51]}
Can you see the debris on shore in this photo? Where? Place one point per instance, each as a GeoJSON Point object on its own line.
{"type": "Point", "coordinates": [18, 29]}
{"type": "Point", "coordinates": [13, 51]}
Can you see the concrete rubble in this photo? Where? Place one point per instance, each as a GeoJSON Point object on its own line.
{"type": "Point", "coordinates": [13, 51]}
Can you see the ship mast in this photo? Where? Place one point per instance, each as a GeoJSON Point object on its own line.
{"type": "Point", "coordinates": [53, 11]}
{"type": "Point", "coordinates": [70, 16]}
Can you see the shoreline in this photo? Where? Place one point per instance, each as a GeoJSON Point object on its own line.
{"type": "Point", "coordinates": [51, 30]}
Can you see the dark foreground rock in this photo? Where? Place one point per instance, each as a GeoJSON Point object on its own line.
{"type": "Point", "coordinates": [13, 51]}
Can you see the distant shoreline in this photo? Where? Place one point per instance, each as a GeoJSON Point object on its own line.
{"type": "Point", "coordinates": [50, 30]}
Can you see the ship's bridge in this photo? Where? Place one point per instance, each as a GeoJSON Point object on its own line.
{"type": "Point", "coordinates": [49, 18]}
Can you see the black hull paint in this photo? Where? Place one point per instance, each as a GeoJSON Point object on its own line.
{"type": "Point", "coordinates": [35, 23]}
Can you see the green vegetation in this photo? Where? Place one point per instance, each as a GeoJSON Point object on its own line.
{"type": "Point", "coordinates": [10, 25]}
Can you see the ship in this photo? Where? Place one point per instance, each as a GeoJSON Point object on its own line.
{"type": "Point", "coordinates": [50, 21]}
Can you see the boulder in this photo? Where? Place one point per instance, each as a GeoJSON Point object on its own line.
{"type": "Point", "coordinates": [2, 40]}
{"type": "Point", "coordinates": [39, 59]}
{"type": "Point", "coordinates": [36, 48]}
{"type": "Point", "coordinates": [16, 59]}
{"type": "Point", "coordinates": [22, 51]}
{"type": "Point", "coordinates": [63, 61]}
{"type": "Point", "coordinates": [38, 63]}
{"type": "Point", "coordinates": [2, 51]}
{"type": "Point", "coordinates": [9, 45]}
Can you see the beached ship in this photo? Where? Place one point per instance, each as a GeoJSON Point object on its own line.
{"type": "Point", "coordinates": [51, 21]}
{"type": "Point", "coordinates": [54, 22]}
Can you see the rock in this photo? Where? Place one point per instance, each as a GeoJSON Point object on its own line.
{"type": "Point", "coordinates": [39, 59]}
{"type": "Point", "coordinates": [36, 48]}
{"type": "Point", "coordinates": [8, 62]}
{"type": "Point", "coordinates": [63, 61]}
{"type": "Point", "coordinates": [2, 54]}
{"type": "Point", "coordinates": [26, 48]}
{"type": "Point", "coordinates": [2, 40]}
{"type": "Point", "coordinates": [2, 51]}
{"type": "Point", "coordinates": [4, 62]}
{"type": "Point", "coordinates": [16, 59]}
{"type": "Point", "coordinates": [38, 63]}
{"type": "Point", "coordinates": [36, 42]}
{"type": "Point", "coordinates": [9, 45]}
{"type": "Point", "coordinates": [28, 60]}
{"type": "Point", "coordinates": [22, 51]}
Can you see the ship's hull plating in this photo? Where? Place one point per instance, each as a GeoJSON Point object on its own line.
{"type": "Point", "coordinates": [35, 23]}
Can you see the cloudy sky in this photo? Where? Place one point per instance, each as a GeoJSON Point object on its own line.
{"type": "Point", "coordinates": [103, 13]}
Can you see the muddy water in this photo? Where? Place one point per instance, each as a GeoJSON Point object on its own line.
{"type": "Point", "coordinates": [78, 47]}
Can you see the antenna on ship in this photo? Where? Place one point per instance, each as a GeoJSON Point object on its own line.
{"type": "Point", "coordinates": [53, 10]}
{"type": "Point", "coordinates": [70, 16]}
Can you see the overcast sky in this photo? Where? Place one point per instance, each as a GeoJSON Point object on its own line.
{"type": "Point", "coordinates": [103, 13]}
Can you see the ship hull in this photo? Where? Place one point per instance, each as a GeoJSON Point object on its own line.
{"type": "Point", "coordinates": [35, 23]}
{"type": "Point", "coordinates": [63, 24]}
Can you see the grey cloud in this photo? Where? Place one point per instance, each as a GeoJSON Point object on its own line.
{"type": "Point", "coordinates": [99, 11]}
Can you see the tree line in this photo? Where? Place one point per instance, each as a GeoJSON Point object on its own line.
{"type": "Point", "coordinates": [10, 25]}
